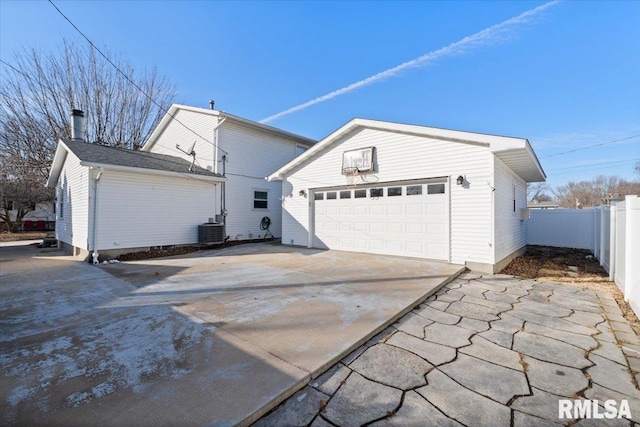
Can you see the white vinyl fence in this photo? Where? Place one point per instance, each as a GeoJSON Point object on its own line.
{"type": "Point", "coordinates": [612, 233]}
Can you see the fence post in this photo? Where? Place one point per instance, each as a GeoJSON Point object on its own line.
{"type": "Point", "coordinates": [632, 253]}
{"type": "Point", "coordinates": [612, 242]}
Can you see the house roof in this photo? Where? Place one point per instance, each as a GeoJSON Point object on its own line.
{"type": "Point", "coordinates": [173, 110]}
{"type": "Point", "coordinates": [516, 153]}
{"type": "Point", "coordinates": [94, 155]}
{"type": "Point", "coordinates": [542, 205]}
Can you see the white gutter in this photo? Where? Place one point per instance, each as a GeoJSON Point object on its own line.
{"type": "Point", "coordinates": [215, 144]}
{"type": "Point", "coordinates": [131, 169]}
{"type": "Point", "coordinates": [95, 217]}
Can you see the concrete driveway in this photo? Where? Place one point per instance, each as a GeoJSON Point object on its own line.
{"type": "Point", "coordinates": [214, 338]}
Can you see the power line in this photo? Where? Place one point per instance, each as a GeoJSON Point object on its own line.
{"type": "Point", "coordinates": [584, 170]}
{"type": "Point", "coordinates": [129, 79]}
{"type": "Point", "coordinates": [591, 146]}
{"type": "Point", "coordinates": [594, 164]}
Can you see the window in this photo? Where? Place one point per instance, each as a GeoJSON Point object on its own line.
{"type": "Point", "coordinates": [331, 195]}
{"type": "Point", "coordinates": [414, 190]}
{"type": "Point", "coordinates": [300, 149]}
{"type": "Point", "coordinates": [394, 191]}
{"type": "Point", "coordinates": [359, 194]}
{"type": "Point", "coordinates": [514, 198]}
{"type": "Point", "coordinates": [318, 196]}
{"type": "Point", "coordinates": [9, 205]}
{"type": "Point", "coordinates": [32, 206]}
{"type": "Point", "coordinates": [376, 192]}
{"type": "Point", "coordinates": [345, 194]}
{"type": "Point", "coordinates": [61, 202]}
{"type": "Point", "coordinates": [260, 199]}
{"type": "Point", "coordinates": [435, 189]}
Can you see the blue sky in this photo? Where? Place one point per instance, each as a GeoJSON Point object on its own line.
{"type": "Point", "coordinates": [564, 75]}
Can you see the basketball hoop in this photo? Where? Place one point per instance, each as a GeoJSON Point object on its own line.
{"type": "Point", "coordinates": [352, 175]}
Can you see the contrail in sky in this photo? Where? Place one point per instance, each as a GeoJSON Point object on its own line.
{"type": "Point", "coordinates": [486, 37]}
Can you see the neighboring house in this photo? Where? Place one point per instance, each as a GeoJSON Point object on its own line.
{"type": "Point", "coordinates": [543, 205]}
{"type": "Point", "coordinates": [42, 216]}
{"type": "Point", "coordinates": [415, 191]}
{"type": "Point", "coordinates": [111, 200]}
{"type": "Point", "coordinates": [244, 151]}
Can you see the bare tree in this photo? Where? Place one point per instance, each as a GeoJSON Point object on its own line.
{"type": "Point", "coordinates": [20, 191]}
{"type": "Point", "coordinates": [38, 90]}
{"type": "Point", "coordinates": [538, 192]}
{"type": "Point", "coordinates": [585, 194]}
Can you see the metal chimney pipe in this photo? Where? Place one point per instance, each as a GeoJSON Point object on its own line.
{"type": "Point", "coordinates": [211, 103]}
{"type": "Point", "coordinates": [77, 125]}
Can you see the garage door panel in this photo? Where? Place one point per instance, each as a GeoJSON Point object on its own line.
{"type": "Point", "coordinates": [395, 209]}
{"type": "Point", "coordinates": [415, 228]}
{"type": "Point", "coordinates": [408, 224]}
{"type": "Point", "coordinates": [360, 210]}
{"type": "Point", "coordinates": [436, 229]}
{"type": "Point", "coordinates": [377, 227]}
{"type": "Point", "coordinates": [415, 247]}
{"type": "Point", "coordinates": [395, 228]}
{"type": "Point", "coordinates": [377, 210]}
{"type": "Point", "coordinates": [360, 227]}
{"type": "Point", "coordinates": [376, 244]}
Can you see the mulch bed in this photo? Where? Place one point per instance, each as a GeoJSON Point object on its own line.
{"type": "Point", "coordinates": [572, 267]}
{"type": "Point", "coordinates": [180, 250]}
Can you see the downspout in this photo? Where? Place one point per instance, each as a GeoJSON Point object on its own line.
{"type": "Point", "coordinates": [216, 169]}
{"type": "Point", "coordinates": [95, 217]}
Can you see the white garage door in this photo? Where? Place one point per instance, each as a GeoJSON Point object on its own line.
{"type": "Point", "coordinates": [406, 220]}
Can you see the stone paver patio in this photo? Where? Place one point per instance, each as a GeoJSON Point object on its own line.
{"type": "Point", "coordinates": [484, 351]}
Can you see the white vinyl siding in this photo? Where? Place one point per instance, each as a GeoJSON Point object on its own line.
{"type": "Point", "coordinates": [402, 157]}
{"type": "Point", "coordinates": [175, 133]}
{"type": "Point", "coordinates": [510, 231]}
{"type": "Point", "coordinates": [73, 186]}
{"type": "Point", "coordinates": [251, 156]}
{"type": "Point", "coordinates": [142, 210]}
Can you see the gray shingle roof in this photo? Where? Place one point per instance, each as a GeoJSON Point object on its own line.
{"type": "Point", "coordinates": [101, 154]}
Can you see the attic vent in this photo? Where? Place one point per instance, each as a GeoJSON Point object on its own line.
{"type": "Point", "coordinates": [210, 233]}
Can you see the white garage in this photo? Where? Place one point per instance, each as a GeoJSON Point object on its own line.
{"type": "Point", "coordinates": [401, 218]}
{"type": "Point", "coordinates": [415, 191]}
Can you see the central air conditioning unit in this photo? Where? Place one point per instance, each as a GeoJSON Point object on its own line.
{"type": "Point", "coordinates": [211, 233]}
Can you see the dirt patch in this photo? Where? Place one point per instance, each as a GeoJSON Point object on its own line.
{"type": "Point", "coordinates": [25, 235]}
{"type": "Point", "coordinates": [166, 251]}
{"type": "Point", "coordinates": [572, 267]}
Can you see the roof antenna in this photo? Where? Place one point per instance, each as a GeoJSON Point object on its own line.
{"type": "Point", "coordinates": [211, 103]}
{"type": "Point", "coordinates": [190, 152]}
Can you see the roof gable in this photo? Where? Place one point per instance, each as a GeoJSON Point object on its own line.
{"type": "Point", "coordinates": [170, 117]}
{"type": "Point", "coordinates": [516, 153]}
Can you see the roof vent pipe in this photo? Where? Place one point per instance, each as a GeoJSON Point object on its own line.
{"type": "Point", "coordinates": [211, 104]}
{"type": "Point", "coordinates": [77, 125]}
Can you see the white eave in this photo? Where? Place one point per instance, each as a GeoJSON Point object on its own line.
{"type": "Point", "coordinates": [62, 151]}
{"type": "Point", "coordinates": [148, 171]}
{"type": "Point", "coordinates": [173, 110]}
{"type": "Point", "coordinates": [514, 152]}
{"type": "Point", "coordinates": [56, 166]}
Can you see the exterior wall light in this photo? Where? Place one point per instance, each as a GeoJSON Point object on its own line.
{"type": "Point", "coordinates": [460, 180]}
{"type": "Point", "coordinates": [302, 193]}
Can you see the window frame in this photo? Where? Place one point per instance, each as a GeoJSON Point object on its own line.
{"type": "Point", "coordinates": [258, 199]}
